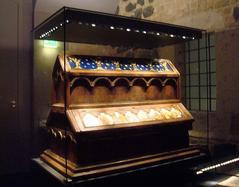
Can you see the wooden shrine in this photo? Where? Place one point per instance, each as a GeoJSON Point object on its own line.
{"type": "Point", "coordinates": [112, 114]}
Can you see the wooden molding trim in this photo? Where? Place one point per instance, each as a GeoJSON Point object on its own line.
{"type": "Point", "coordinates": [75, 171]}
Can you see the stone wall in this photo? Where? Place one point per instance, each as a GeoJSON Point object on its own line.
{"type": "Point", "coordinates": [210, 15]}
{"type": "Point", "coordinates": [227, 59]}
{"type": "Point", "coordinates": [221, 17]}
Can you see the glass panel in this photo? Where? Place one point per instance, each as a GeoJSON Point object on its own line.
{"type": "Point", "coordinates": [194, 56]}
{"type": "Point", "coordinates": [183, 101]}
{"type": "Point", "coordinates": [186, 46]}
{"type": "Point", "coordinates": [187, 92]}
{"type": "Point", "coordinates": [203, 92]}
{"type": "Point", "coordinates": [212, 53]}
{"type": "Point", "coordinates": [213, 105]}
{"type": "Point", "coordinates": [203, 67]}
{"type": "Point", "coordinates": [203, 103]}
{"type": "Point", "coordinates": [187, 103]}
{"type": "Point", "coordinates": [194, 80]}
{"type": "Point", "coordinates": [213, 92]}
{"type": "Point", "coordinates": [194, 104]}
{"type": "Point", "coordinates": [187, 80]}
{"type": "Point", "coordinates": [186, 56]}
{"type": "Point", "coordinates": [212, 39]}
{"type": "Point", "coordinates": [48, 44]}
{"type": "Point", "coordinates": [193, 44]}
{"type": "Point", "coordinates": [202, 42]}
{"type": "Point", "coordinates": [203, 79]}
{"type": "Point", "coordinates": [203, 55]}
{"type": "Point", "coordinates": [213, 66]}
{"type": "Point", "coordinates": [187, 68]}
{"type": "Point", "coordinates": [183, 82]}
{"type": "Point", "coordinates": [213, 78]}
{"type": "Point", "coordinates": [194, 91]}
{"type": "Point", "coordinates": [193, 68]}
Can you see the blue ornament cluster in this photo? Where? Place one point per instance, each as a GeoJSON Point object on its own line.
{"type": "Point", "coordinates": [110, 64]}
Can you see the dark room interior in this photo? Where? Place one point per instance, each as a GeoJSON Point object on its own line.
{"type": "Point", "coordinates": [119, 93]}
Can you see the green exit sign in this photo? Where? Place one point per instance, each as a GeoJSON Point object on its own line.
{"type": "Point", "coordinates": [50, 44]}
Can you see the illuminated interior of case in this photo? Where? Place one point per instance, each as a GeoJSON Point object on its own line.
{"type": "Point", "coordinates": [126, 115]}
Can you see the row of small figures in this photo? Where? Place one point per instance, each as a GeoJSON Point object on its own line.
{"type": "Point", "coordinates": [106, 64]}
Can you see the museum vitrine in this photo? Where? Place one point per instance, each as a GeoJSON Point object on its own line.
{"type": "Point", "coordinates": [108, 103]}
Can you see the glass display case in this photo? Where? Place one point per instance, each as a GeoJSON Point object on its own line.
{"type": "Point", "coordinates": [107, 103]}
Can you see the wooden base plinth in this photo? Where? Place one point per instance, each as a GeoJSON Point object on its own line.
{"type": "Point", "coordinates": [75, 172]}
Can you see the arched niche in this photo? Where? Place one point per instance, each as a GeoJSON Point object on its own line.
{"type": "Point", "coordinates": [81, 91]}
{"type": "Point", "coordinates": [154, 90]}
{"type": "Point", "coordinates": [137, 91]}
{"type": "Point", "coordinates": [139, 82]}
{"type": "Point", "coordinates": [102, 90]}
{"type": "Point", "coordinates": [169, 90]}
{"type": "Point", "coordinates": [121, 89]}
{"type": "Point", "coordinates": [122, 81]}
{"type": "Point", "coordinates": [102, 81]}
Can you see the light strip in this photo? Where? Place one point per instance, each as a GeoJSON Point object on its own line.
{"type": "Point", "coordinates": [47, 34]}
{"type": "Point", "coordinates": [217, 165]}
